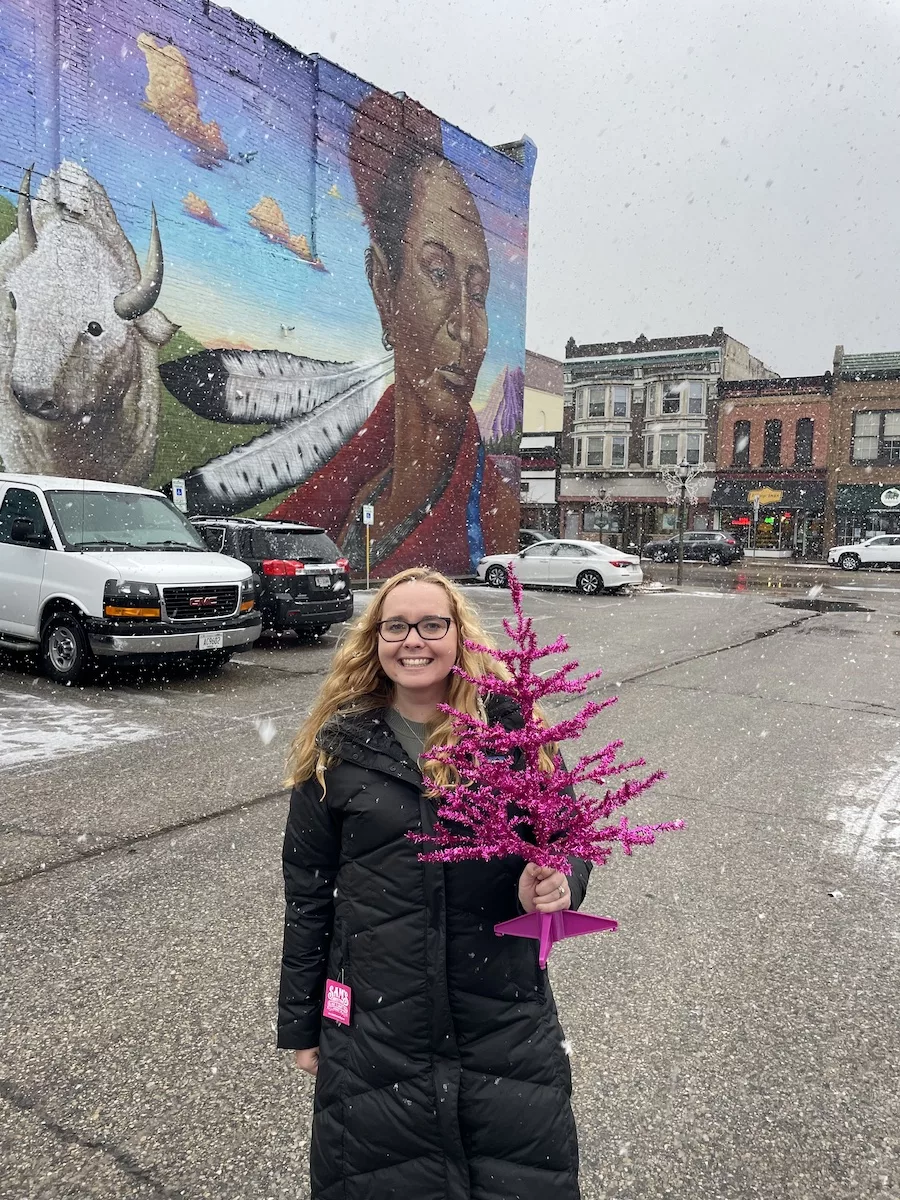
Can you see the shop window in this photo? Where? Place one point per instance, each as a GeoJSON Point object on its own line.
{"type": "Point", "coordinates": [594, 447]}
{"type": "Point", "coordinates": [772, 444]}
{"type": "Point", "coordinates": [668, 449]}
{"type": "Point", "coordinates": [671, 398]}
{"type": "Point", "coordinates": [740, 455]}
{"type": "Point", "coordinates": [618, 451]}
{"type": "Point", "coordinates": [619, 401]}
{"type": "Point", "coordinates": [695, 398]}
{"type": "Point", "coordinates": [891, 440]}
{"type": "Point", "coordinates": [803, 443]}
{"type": "Point", "coordinates": [693, 452]}
{"type": "Point", "coordinates": [865, 436]}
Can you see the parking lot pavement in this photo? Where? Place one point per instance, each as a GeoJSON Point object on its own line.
{"type": "Point", "coordinates": [733, 1040]}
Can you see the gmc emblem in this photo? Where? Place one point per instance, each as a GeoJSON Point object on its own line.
{"type": "Point", "coordinates": [202, 602]}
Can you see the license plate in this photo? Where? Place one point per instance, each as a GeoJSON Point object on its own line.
{"type": "Point", "coordinates": [210, 641]}
{"type": "Point", "coordinates": [323, 581]}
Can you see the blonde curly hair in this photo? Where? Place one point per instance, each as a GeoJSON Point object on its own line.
{"type": "Point", "coordinates": [357, 683]}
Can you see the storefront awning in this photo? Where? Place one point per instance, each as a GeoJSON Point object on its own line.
{"type": "Point", "coordinates": [774, 494]}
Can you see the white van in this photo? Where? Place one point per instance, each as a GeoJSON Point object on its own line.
{"type": "Point", "coordinates": [90, 568]}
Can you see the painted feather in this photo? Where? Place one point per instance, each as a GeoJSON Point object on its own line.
{"type": "Point", "coordinates": [254, 386]}
{"type": "Point", "coordinates": [287, 456]}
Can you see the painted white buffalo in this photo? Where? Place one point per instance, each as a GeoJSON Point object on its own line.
{"type": "Point", "coordinates": [79, 381]}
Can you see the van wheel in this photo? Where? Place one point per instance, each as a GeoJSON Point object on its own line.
{"type": "Point", "coordinates": [65, 652]}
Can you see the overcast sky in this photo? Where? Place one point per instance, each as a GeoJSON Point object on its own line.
{"type": "Point", "coordinates": [700, 162]}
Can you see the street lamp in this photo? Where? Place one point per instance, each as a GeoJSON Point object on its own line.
{"type": "Point", "coordinates": [683, 472]}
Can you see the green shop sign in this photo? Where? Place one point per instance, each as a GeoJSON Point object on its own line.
{"type": "Point", "coordinates": [864, 497]}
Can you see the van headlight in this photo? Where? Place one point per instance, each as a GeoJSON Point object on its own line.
{"type": "Point", "coordinates": [131, 600]}
{"type": "Point", "coordinates": [249, 594]}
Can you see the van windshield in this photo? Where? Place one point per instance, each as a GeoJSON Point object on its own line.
{"type": "Point", "coordinates": [121, 521]}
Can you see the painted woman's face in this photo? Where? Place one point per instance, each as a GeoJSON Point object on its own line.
{"type": "Point", "coordinates": [436, 315]}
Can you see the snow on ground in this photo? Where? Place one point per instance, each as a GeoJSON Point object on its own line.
{"type": "Point", "coordinates": [34, 729]}
{"type": "Point", "coordinates": [870, 816]}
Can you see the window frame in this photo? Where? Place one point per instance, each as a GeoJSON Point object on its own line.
{"type": "Point", "coordinates": [625, 399]}
{"type": "Point", "coordinates": [598, 439]}
{"type": "Point", "coordinates": [674, 462]}
{"type": "Point", "coordinates": [669, 393]}
{"type": "Point", "coordinates": [885, 446]}
{"type": "Point", "coordinates": [699, 396]}
{"type": "Point", "coordinates": [771, 456]}
{"type": "Point", "coordinates": [740, 458]}
{"type": "Point", "coordinates": [806, 422]}
{"type": "Point", "coordinates": [614, 438]}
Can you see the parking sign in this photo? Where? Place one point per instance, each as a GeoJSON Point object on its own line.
{"type": "Point", "coordinates": [368, 514]}
{"type": "Point", "coordinates": [179, 495]}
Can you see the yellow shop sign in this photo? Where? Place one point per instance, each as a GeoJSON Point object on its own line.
{"type": "Point", "coordinates": [765, 496]}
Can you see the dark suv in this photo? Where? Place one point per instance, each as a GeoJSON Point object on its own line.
{"type": "Point", "coordinates": [304, 579]}
{"type": "Point", "coordinates": [713, 546]}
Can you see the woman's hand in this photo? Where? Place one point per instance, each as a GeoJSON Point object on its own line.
{"type": "Point", "coordinates": [543, 890]}
{"type": "Point", "coordinates": [308, 1060]}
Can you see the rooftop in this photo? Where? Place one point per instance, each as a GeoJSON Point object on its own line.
{"type": "Point", "coordinates": [645, 345]}
{"type": "Point", "coordinates": [882, 364]}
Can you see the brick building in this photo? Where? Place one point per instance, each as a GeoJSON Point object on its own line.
{"type": "Point", "coordinates": [541, 433]}
{"type": "Point", "coordinates": [773, 440]}
{"type": "Point", "coordinates": [631, 409]}
{"type": "Point", "coordinates": [864, 451]}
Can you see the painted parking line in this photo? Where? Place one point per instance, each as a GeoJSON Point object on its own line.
{"type": "Point", "coordinates": [34, 729]}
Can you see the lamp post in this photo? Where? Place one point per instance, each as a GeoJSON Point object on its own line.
{"type": "Point", "coordinates": [684, 470]}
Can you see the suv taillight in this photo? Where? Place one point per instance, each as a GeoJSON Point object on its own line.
{"type": "Point", "coordinates": [344, 564]}
{"type": "Point", "coordinates": [730, 542]}
{"type": "Point", "coordinates": [281, 566]}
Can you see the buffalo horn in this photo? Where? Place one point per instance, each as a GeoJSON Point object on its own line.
{"type": "Point", "coordinates": [24, 219]}
{"type": "Point", "coordinates": [141, 298]}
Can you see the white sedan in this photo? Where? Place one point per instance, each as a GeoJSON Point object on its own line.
{"type": "Point", "coordinates": [881, 550]}
{"type": "Point", "coordinates": [590, 567]}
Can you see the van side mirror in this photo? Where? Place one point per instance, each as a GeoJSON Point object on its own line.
{"type": "Point", "coordinates": [23, 531]}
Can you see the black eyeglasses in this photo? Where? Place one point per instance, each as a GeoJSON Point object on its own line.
{"type": "Point", "coordinates": [432, 629]}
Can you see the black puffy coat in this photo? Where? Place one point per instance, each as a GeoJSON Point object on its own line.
{"type": "Point", "coordinates": [452, 1081]}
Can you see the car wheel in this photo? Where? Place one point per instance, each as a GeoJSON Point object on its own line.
{"type": "Point", "coordinates": [660, 556]}
{"type": "Point", "coordinates": [65, 651]}
{"type": "Point", "coordinates": [589, 583]}
{"type": "Point", "coordinates": [849, 562]}
{"type": "Point", "coordinates": [715, 558]}
{"type": "Point", "coordinates": [495, 577]}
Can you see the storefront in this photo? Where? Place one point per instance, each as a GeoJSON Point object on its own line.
{"type": "Point", "coordinates": [862, 510]}
{"type": "Point", "coordinates": [773, 518]}
{"type": "Point", "coordinates": [627, 511]}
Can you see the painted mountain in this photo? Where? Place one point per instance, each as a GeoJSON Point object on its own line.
{"type": "Point", "coordinates": [501, 418]}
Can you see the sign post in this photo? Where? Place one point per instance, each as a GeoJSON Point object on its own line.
{"type": "Point", "coordinates": [368, 516]}
{"type": "Point", "coordinates": [179, 495]}
{"type": "Point", "coordinates": [755, 523]}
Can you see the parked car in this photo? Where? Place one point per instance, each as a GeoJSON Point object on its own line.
{"type": "Point", "coordinates": [591, 567]}
{"type": "Point", "coordinates": [100, 569]}
{"type": "Point", "coordinates": [304, 580]}
{"type": "Point", "coordinates": [712, 546]}
{"type": "Point", "coordinates": [527, 537]}
{"type": "Point", "coordinates": [882, 550]}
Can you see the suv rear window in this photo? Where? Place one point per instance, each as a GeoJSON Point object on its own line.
{"type": "Point", "coordinates": [302, 547]}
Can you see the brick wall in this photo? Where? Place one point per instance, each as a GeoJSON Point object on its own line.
{"type": "Point", "coordinates": [252, 155]}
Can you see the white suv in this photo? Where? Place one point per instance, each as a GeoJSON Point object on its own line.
{"type": "Point", "coordinates": [91, 568]}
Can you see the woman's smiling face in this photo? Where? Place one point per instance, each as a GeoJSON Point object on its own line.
{"type": "Point", "coordinates": [416, 666]}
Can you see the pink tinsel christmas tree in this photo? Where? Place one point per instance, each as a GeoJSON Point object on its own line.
{"type": "Point", "coordinates": [506, 803]}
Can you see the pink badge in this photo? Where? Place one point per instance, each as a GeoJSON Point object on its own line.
{"type": "Point", "coordinates": [338, 998]}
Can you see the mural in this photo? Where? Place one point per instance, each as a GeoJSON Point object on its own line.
{"type": "Point", "coordinates": [248, 268]}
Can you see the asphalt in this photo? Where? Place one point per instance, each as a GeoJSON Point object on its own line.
{"type": "Point", "coordinates": [736, 1038]}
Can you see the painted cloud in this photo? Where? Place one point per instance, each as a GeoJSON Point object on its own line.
{"type": "Point", "coordinates": [172, 95]}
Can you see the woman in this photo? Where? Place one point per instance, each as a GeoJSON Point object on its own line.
{"type": "Point", "coordinates": [419, 458]}
{"type": "Point", "coordinates": [451, 1081]}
